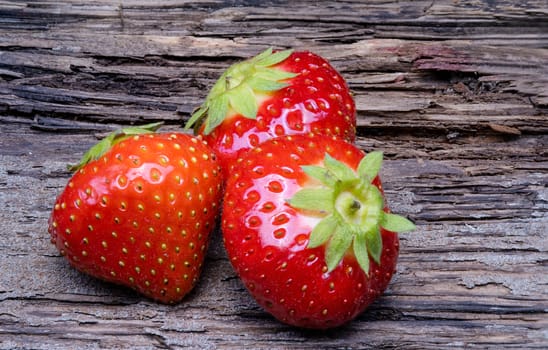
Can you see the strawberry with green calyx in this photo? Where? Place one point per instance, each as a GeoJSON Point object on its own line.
{"type": "Point", "coordinates": [139, 210]}
{"type": "Point", "coordinates": [307, 229]}
{"type": "Point", "coordinates": [274, 94]}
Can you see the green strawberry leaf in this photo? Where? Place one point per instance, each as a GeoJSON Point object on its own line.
{"type": "Point", "coordinates": [374, 244]}
{"type": "Point", "coordinates": [274, 74]}
{"type": "Point", "coordinates": [95, 152]}
{"type": "Point", "coordinates": [322, 231]}
{"type": "Point", "coordinates": [338, 246]}
{"type": "Point", "coordinates": [370, 165]}
{"type": "Point", "coordinates": [263, 54]}
{"type": "Point", "coordinates": [242, 100]}
{"type": "Point", "coordinates": [396, 223]}
{"type": "Point", "coordinates": [318, 199]}
{"type": "Point", "coordinates": [141, 129]}
{"type": "Point", "coordinates": [273, 58]}
{"type": "Point", "coordinates": [260, 84]}
{"type": "Point", "coordinates": [320, 174]}
{"type": "Point", "coordinates": [361, 252]}
{"type": "Point", "coordinates": [339, 169]}
{"type": "Point", "coordinates": [217, 111]}
{"type": "Point", "coordinates": [196, 116]}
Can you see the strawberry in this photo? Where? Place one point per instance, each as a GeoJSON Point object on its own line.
{"type": "Point", "coordinates": [274, 94]}
{"type": "Point", "coordinates": [307, 229]}
{"type": "Point", "coordinates": [139, 210]}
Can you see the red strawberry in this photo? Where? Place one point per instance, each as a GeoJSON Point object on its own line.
{"type": "Point", "coordinates": [274, 94]}
{"type": "Point", "coordinates": [307, 229]}
{"type": "Point", "coordinates": [140, 214]}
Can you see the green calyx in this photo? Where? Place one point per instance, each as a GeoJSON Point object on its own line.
{"type": "Point", "coordinates": [110, 140]}
{"type": "Point", "coordinates": [236, 90]}
{"type": "Point", "coordinates": [353, 210]}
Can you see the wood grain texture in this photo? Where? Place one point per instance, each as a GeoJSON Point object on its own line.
{"type": "Point", "coordinates": [454, 92]}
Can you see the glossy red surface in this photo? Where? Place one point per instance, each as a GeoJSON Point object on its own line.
{"type": "Point", "coordinates": [141, 214]}
{"type": "Point", "coordinates": [317, 100]}
{"type": "Point", "coordinates": [266, 239]}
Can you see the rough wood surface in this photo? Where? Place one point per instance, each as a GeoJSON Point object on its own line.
{"type": "Point", "coordinates": [454, 92]}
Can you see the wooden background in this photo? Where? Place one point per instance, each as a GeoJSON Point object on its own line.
{"type": "Point", "coordinates": [454, 92]}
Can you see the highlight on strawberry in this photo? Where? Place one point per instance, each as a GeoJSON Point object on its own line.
{"type": "Point", "coordinates": [139, 210]}
{"type": "Point", "coordinates": [273, 94]}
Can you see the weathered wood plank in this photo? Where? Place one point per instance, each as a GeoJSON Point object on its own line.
{"type": "Point", "coordinates": [409, 93]}
{"type": "Point", "coordinates": [454, 92]}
